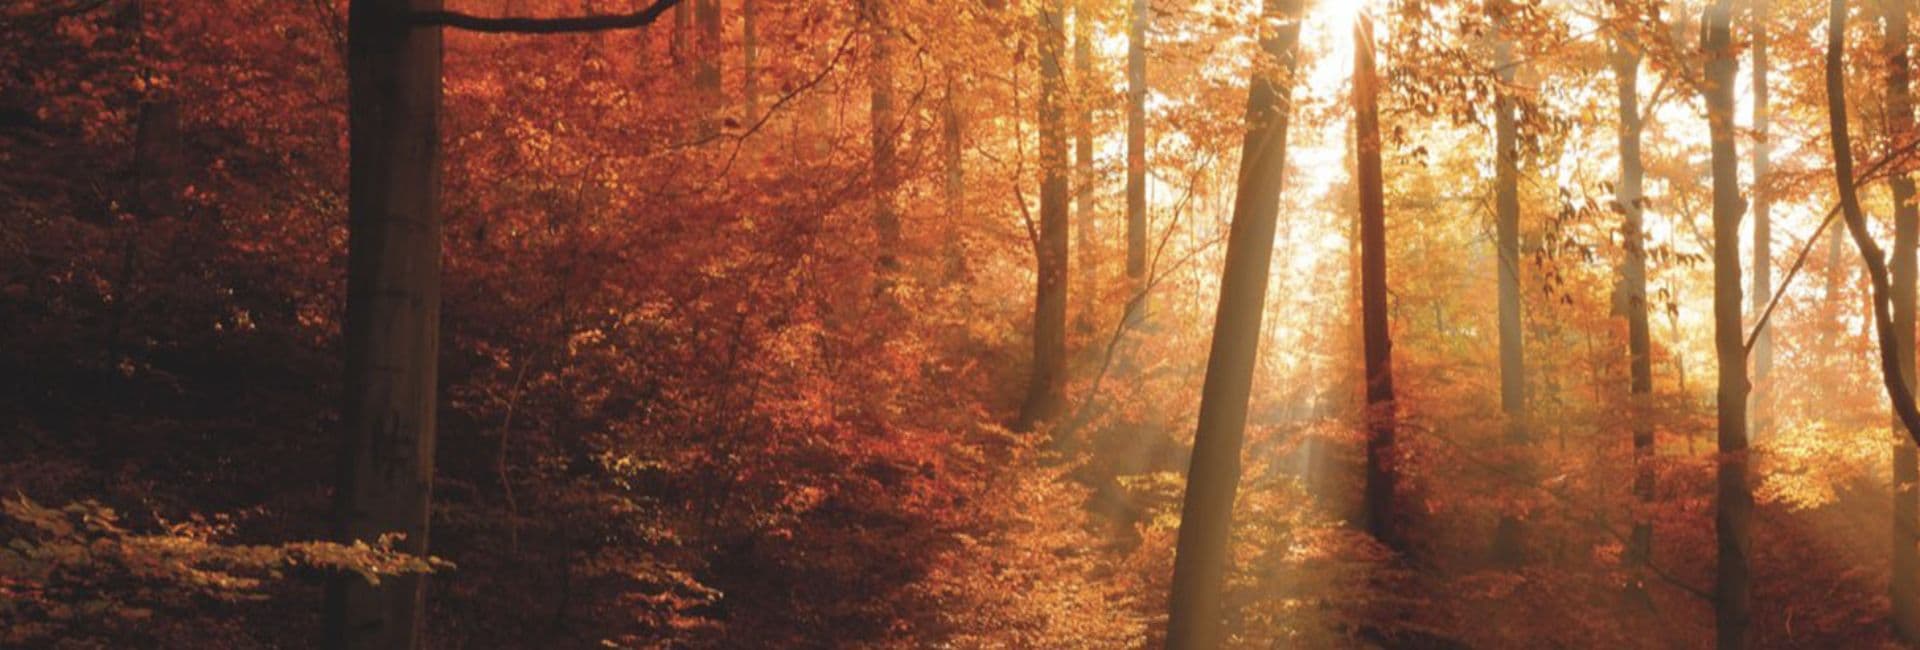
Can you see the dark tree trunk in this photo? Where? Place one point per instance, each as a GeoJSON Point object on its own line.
{"type": "Point", "coordinates": [1382, 476]}
{"type": "Point", "coordinates": [954, 190]}
{"type": "Point", "coordinates": [393, 314]}
{"type": "Point", "coordinates": [1200, 559]}
{"type": "Point", "coordinates": [1733, 582]}
{"type": "Point", "coordinates": [1137, 143]}
{"type": "Point", "coordinates": [750, 58]}
{"type": "Point", "coordinates": [707, 13]}
{"type": "Point", "coordinates": [1086, 218]}
{"type": "Point", "coordinates": [1903, 588]}
{"type": "Point", "coordinates": [1633, 290]}
{"type": "Point", "coordinates": [1513, 365]}
{"type": "Point", "coordinates": [1761, 407]}
{"type": "Point", "coordinates": [886, 217]}
{"type": "Point", "coordinates": [1046, 393]}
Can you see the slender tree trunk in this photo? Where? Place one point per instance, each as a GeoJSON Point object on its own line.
{"type": "Point", "coordinates": [707, 13]}
{"type": "Point", "coordinates": [682, 24]}
{"type": "Point", "coordinates": [393, 314]}
{"type": "Point", "coordinates": [1382, 476]}
{"type": "Point", "coordinates": [1762, 400]}
{"type": "Point", "coordinates": [1893, 369]}
{"type": "Point", "coordinates": [1201, 555]}
{"type": "Point", "coordinates": [1046, 392]}
{"type": "Point", "coordinates": [1733, 519]}
{"type": "Point", "coordinates": [1626, 72]}
{"type": "Point", "coordinates": [750, 54]}
{"type": "Point", "coordinates": [954, 190]}
{"type": "Point", "coordinates": [1904, 584]}
{"type": "Point", "coordinates": [1086, 219]}
{"type": "Point", "coordinates": [1513, 366]}
{"type": "Point", "coordinates": [886, 216]}
{"type": "Point", "coordinates": [1137, 143]}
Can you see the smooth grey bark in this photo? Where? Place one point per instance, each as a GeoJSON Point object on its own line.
{"type": "Point", "coordinates": [1046, 392]}
{"type": "Point", "coordinates": [392, 320]}
{"type": "Point", "coordinates": [1733, 517]}
{"type": "Point", "coordinates": [1206, 513]}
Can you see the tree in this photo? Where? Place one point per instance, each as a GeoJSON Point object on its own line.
{"type": "Point", "coordinates": [1513, 364]}
{"type": "Point", "coordinates": [1046, 391]}
{"type": "Point", "coordinates": [393, 299]}
{"type": "Point", "coordinates": [886, 214]}
{"type": "Point", "coordinates": [750, 59]}
{"type": "Point", "coordinates": [1732, 591]}
{"type": "Point", "coordinates": [1904, 581]}
{"type": "Point", "coordinates": [1206, 512]}
{"type": "Point", "coordinates": [953, 133]}
{"type": "Point", "coordinates": [1140, 16]}
{"type": "Point", "coordinates": [1382, 476]}
{"type": "Point", "coordinates": [1085, 216]}
{"type": "Point", "coordinates": [1633, 292]}
{"type": "Point", "coordinates": [393, 316]}
{"type": "Point", "coordinates": [1896, 362]}
{"type": "Point", "coordinates": [1761, 403]}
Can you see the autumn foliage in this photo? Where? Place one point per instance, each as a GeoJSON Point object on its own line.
{"type": "Point", "coordinates": [694, 391]}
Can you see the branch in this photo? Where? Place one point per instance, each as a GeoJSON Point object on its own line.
{"type": "Point", "coordinates": [521, 25]}
{"type": "Point", "coordinates": [1898, 392]}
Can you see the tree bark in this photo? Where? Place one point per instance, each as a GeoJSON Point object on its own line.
{"type": "Point", "coordinates": [886, 217]}
{"type": "Point", "coordinates": [1904, 584]}
{"type": "Point", "coordinates": [1734, 513]}
{"type": "Point", "coordinates": [954, 190]}
{"type": "Point", "coordinates": [392, 320]}
{"type": "Point", "coordinates": [1046, 393]}
{"type": "Point", "coordinates": [707, 14]}
{"type": "Point", "coordinates": [1633, 272]}
{"type": "Point", "coordinates": [1137, 143]}
{"type": "Point", "coordinates": [750, 58]}
{"type": "Point", "coordinates": [1086, 220]}
{"type": "Point", "coordinates": [1382, 475]}
{"type": "Point", "coordinates": [1513, 366]}
{"type": "Point", "coordinates": [1200, 560]}
{"type": "Point", "coordinates": [1762, 402]}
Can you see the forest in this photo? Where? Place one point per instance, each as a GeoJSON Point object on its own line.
{"type": "Point", "coordinates": [1399, 324]}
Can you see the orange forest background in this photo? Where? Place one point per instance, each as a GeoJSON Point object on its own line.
{"type": "Point", "coordinates": [397, 324]}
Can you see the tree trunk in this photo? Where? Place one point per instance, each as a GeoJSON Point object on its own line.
{"type": "Point", "coordinates": [1046, 392]}
{"type": "Point", "coordinates": [393, 313]}
{"type": "Point", "coordinates": [750, 58]}
{"type": "Point", "coordinates": [1086, 220]}
{"type": "Point", "coordinates": [954, 190]}
{"type": "Point", "coordinates": [707, 13]}
{"type": "Point", "coordinates": [1200, 559]}
{"type": "Point", "coordinates": [1633, 272]}
{"type": "Point", "coordinates": [886, 217]}
{"type": "Point", "coordinates": [1513, 367]}
{"type": "Point", "coordinates": [1382, 476]}
{"type": "Point", "coordinates": [1902, 586]}
{"type": "Point", "coordinates": [682, 24]}
{"type": "Point", "coordinates": [1762, 401]}
{"type": "Point", "coordinates": [1732, 593]}
{"type": "Point", "coordinates": [1137, 143]}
